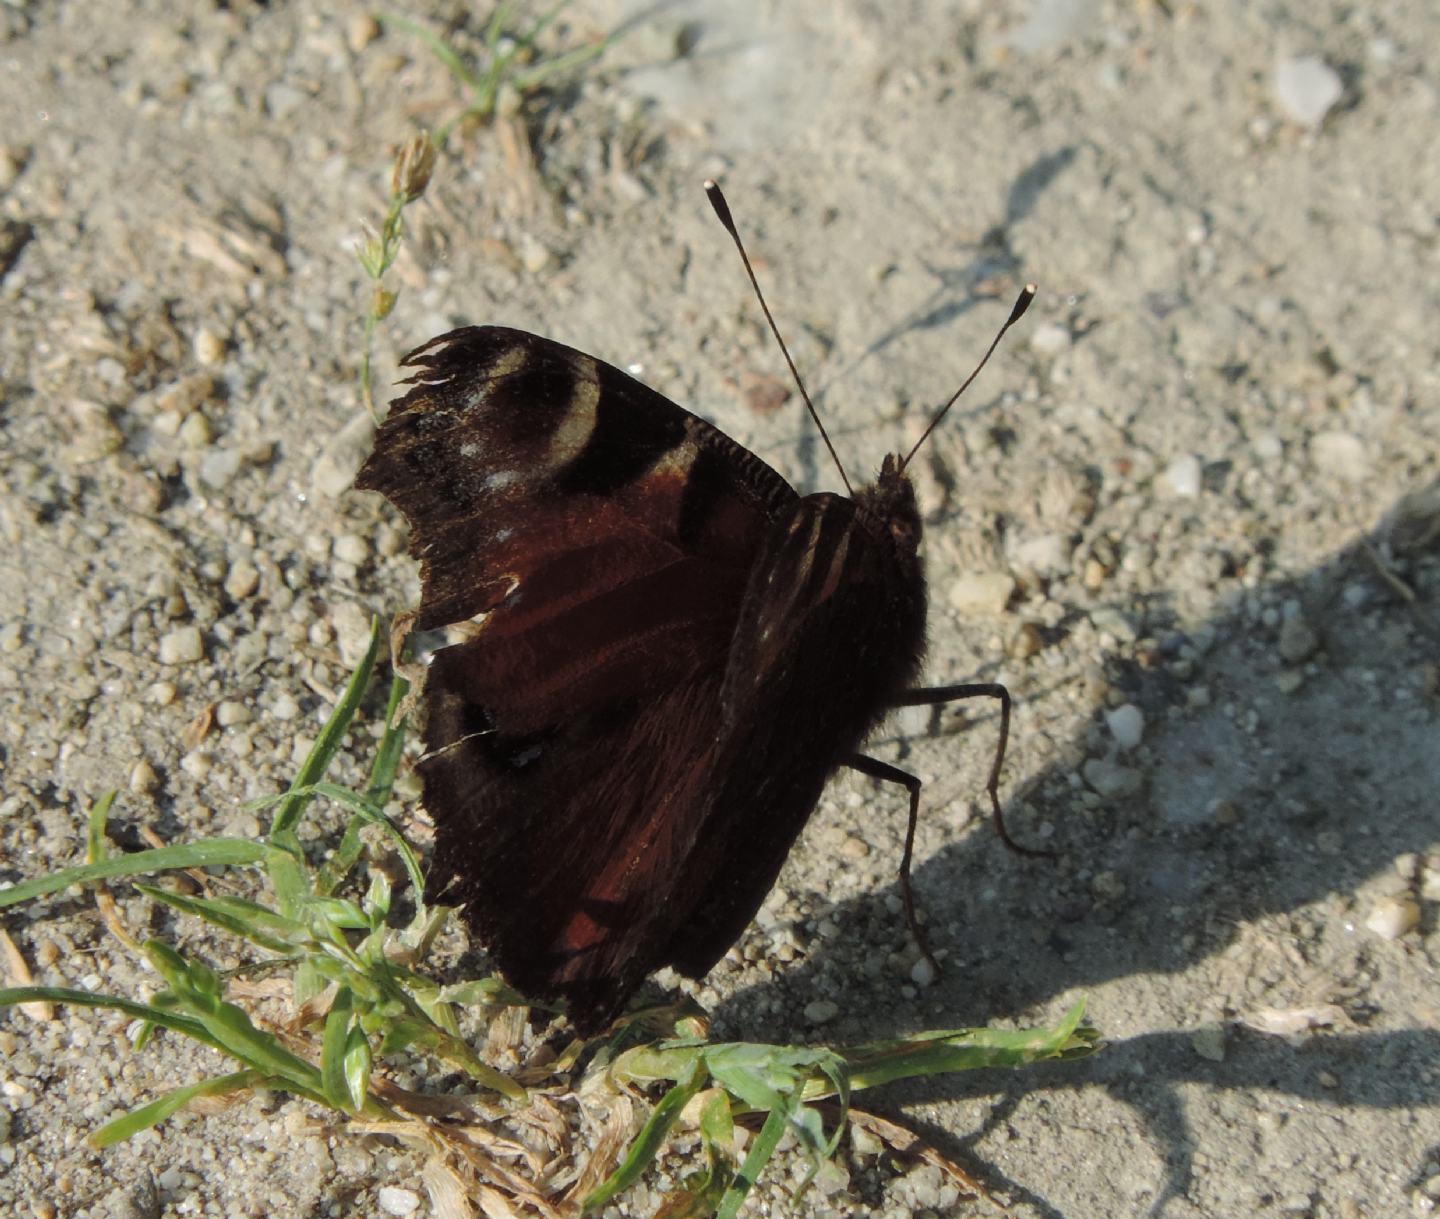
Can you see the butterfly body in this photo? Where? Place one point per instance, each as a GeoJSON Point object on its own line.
{"type": "Point", "coordinates": [676, 652]}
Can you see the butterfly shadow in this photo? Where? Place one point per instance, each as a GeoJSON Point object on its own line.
{"type": "Point", "coordinates": [961, 287]}
{"type": "Point", "coordinates": [1262, 813]}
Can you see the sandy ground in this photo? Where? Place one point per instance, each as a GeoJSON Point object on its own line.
{"type": "Point", "coordinates": [1175, 508]}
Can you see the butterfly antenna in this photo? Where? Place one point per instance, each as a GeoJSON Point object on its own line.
{"type": "Point", "coordinates": [722, 210]}
{"type": "Point", "coordinates": [1022, 303]}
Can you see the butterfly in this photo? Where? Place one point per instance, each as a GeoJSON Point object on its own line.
{"type": "Point", "coordinates": [674, 651]}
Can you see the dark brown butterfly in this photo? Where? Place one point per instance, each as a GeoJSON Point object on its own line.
{"type": "Point", "coordinates": [677, 651]}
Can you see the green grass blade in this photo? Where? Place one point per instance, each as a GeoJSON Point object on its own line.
{"type": "Point", "coordinates": [647, 1143]}
{"type": "Point", "coordinates": [210, 853]}
{"type": "Point", "coordinates": [967, 1050]}
{"type": "Point", "coordinates": [97, 846]}
{"type": "Point", "coordinates": [391, 747]}
{"type": "Point", "coordinates": [157, 1111]}
{"type": "Point", "coordinates": [332, 735]}
{"type": "Point", "coordinates": [332, 1052]}
{"type": "Point", "coordinates": [368, 812]}
{"type": "Point", "coordinates": [759, 1155]}
{"type": "Point", "coordinates": [495, 27]}
{"type": "Point", "coordinates": [253, 922]}
{"type": "Point", "coordinates": [152, 1013]}
{"type": "Point", "coordinates": [438, 47]}
{"type": "Point", "coordinates": [525, 82]}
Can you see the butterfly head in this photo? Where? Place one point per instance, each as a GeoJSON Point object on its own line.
{"type": "Point", "coordinates": [890, 501]}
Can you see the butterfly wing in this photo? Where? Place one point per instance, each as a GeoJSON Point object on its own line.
{"type": "Point", "coordinates": [831, 630]}
{"type": "Point", "coordinates": [608, 536]}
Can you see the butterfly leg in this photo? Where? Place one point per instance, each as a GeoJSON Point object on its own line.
{"type": "Point", "coordinates": [928, 697]}
{"type": "Point", "coordinates": [886, 773]}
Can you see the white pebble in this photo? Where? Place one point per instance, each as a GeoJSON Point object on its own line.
{"type": "Point", "coordinates": [1267, 446]}
{"type": "Point", "coordinates": [1110, 779]}
{"type": "Point", "coordinates": [242, 579]}
{"type": "Point", "coordinates": [1126, 724]}
{"type": "Point", "coordinates": [1392, 917]}
{"type": "Point", "coordinates": [981, 592]}
{"type": "Point", "coordinates": [335, 469]}
{"type": "Point", "coordinates": [143, 779]}
{"type": "Point", "coordinates": [219, 466]}
{"type": "Point", "coordinates": [208, 346]}
{"type": "Point", "coordinates": [1050, 339]}
{"type": "Point", "coordinates": [1182, 476]}
{"type": "Point", "coordinates": [230, 712]}
{"type": "Point", "coordinates": [351, 623]}
{"type": "Point", "coordinates": [351, 548]}
{"type": "Point", "coordinates": [184, 645]}
{"type": "Point", "coordinates": [1306, 87]}
{"type": "Point", "coordinates": [1340, 454]}
{"type": "Point", "coordinates": [396, 1201]}
{"type": "Point", "coordinates": [1046, 555]}
{"type": "Point", "coordinates": [922, 973]}
{"type": "Point", "coordinates": [197, 764]}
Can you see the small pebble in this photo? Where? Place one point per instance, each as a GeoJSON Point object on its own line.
{"type": "Point", "coordinates": [534, 256]}
{"type": "Point", "coordinates": [218, 467]}
{"type": "Point", "coordinates": [184, 645]}
{"type": "Point", "coordinates": [1025, 643]}
{"type": "Point", "coordinates": [209, 347]}
{"type": "Point", "coordinates": [241, 580]}
{"type": "Point", "coordinates": [361, 31]}
{"type": "Point", "coordinates": [1110, 779]}
{"type": "Point", "coordinates": [351, 548]}
{"type": "Point", "coordinates": [335, 469]}
{"type": "Point", "coordinates": [821, 1011]}
{"type": "Point", "coordinates": [1340, 454]}
{"type": "Point", "coordinates": [1298, 640]}
{"type": "Point", "coordinates": [1126, 724]}
{"type": "Point", "coordinates": [1392, 917]}
{"type": "Point", "coordinates": [351, 624]}
{"type": "Point", "coordinates": [185, 395]}
{"type": "Point", "coordinates": [284, 707]}
{"type": "Point", "coordinates": [1182, 476]}
{"type": "Point", "coordinates": [396, 1201]}
{"type": "Point", "coordinates": [1108, 886]}
{"type": "Point", "coordinates": [1046, 555]}
{"type": "Point", "coordinates": [1305, 89]}
{"type": "Point", "coordinates": [229, 713]}
{"type": "Point", "coordinates": [143, 779]}
{"type": "Point", "coordinates": [1050, 339]}
{"type": "Point", "coordinates": [984, 592]}
{"type": "Point", "coordinates": [922, 973]}
{"type": "Point", "coordinates": [1209, 1042]}
{"type": "Point", "coordinates": [1267, 447]}
{"type": "Point", "coordinates": [195, 432]}
{"type": "Point", "coordinates": [197, 764]}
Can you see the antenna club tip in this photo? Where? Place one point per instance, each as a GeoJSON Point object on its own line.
{"type": "Point", "coordinates": [1022, 303]}
{"type": "Point", "coordinates": [720, 207]}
